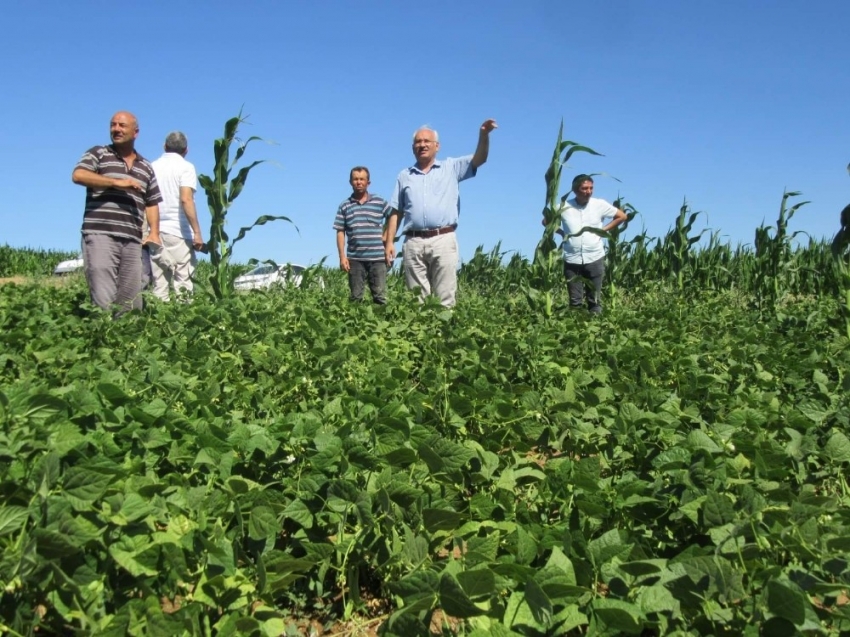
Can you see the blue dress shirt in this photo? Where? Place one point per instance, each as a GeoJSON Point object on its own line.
{"type": "Point", "coordinates": [431, 200]}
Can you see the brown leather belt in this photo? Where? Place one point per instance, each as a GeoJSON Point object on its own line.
{"type": "Point", "coordinates": [427, 234]}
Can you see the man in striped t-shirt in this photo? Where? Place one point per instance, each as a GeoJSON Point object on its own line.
{"type": "Point", "coordinates": [361, 217]}
{"type": "Point", "coordinates": [121, 193]}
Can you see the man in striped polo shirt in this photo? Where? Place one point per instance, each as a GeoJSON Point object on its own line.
{"type": "Point", "coordinates": [361, 217]}
{"type": "Point", "coordinates": [121, 193]}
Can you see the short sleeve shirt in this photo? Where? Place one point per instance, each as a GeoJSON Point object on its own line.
{"type": "Point", "coordinates": [363, 225]}
{"type": "Point", "coordinates": [586, 247]}
{"type": "Point", "coordinates": [114, 211]}
{"type": "Point", "coordinates": [431, 200]}
{"type": "Point", "coordinates": [173, 172]}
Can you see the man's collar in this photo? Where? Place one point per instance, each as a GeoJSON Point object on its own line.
{"type": "Point", "coordinates": [415, 167]}
{"type": "Point", "coordinates": [114, 150]}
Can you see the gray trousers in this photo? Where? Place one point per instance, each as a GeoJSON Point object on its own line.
{"type": "Point", "coordinates": [576, 274]}
{"type": "Point", "coordinates": [113, 269]}
{"type": "Point", "coordinates": [375, 271]}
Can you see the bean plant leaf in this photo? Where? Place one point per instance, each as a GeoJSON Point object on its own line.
{"type": "Point", "coordinates": [454, 600]}
{"type": "Point", "coordinates": [717, 509]}
{"type": "Point", "coordinates": [442, 520]}
{"type": "Point", "coordinates": [606, 547]}
{"type": "Point", "coordinates": [84, 484]}
{"type": "Point", "coordinates": [12, 519]}
{"type": "Point", "coordinates": [298, 511]}
{"type": "Point", "coordinates": [263, 523]}
{"type": "Point", "coordinates": [538, 602]}
{"type": "Point", "coordinates": [479, 582]}
{"type": "Point", "coordinates": [837, 448]}
{"type": "Point", "coordinates": [622, 617]}
{"type": "Point", "coordinates": [786, 600]}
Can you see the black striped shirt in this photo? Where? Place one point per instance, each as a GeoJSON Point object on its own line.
{"type": "Point", "coordinates": [115, 211]}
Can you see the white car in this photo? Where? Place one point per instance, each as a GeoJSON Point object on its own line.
{"type": "Point", "coordinates": [266, 275]}
{"type": "Point", "coordinates": [69, 266]}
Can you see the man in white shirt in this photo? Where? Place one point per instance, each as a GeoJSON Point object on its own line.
{"type": "Point", "coordinates": [178, 220]}
{"type": "Point", "coordinates": [584, 252]}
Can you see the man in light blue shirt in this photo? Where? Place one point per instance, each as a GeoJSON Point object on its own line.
{"type": "Point", "coordinates": [428, 196]}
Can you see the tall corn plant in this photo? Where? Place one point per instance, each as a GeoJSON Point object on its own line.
{"type": "Point", "coordinates": [775, 259]}
{"type": "Point", "coordinates": [221, 192]}
{"type": "Point", "coordinates": [616, 257]}
{"type": "Point", "coordinates": [546, 266]}
{"type": "Point", "coordinates": [676, 249]}
{"type": "Point", "coordinates": [841, 258]}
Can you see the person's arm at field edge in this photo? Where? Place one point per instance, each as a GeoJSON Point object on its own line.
{"type": "Point", "coordinates": [619, 217]}
{"type": "Point", "coordinates": [152, 216]}
{"type": "Point", "coordinates": [340, 246]}
{"type": "Point", "coordinates": [187, 198]}
{"type": "Point", "coordinates": [482, 151]}
{"type": "Point", "coordinates": [389, 241]}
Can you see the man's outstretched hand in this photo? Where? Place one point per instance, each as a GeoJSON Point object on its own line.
{"type": "Point", "coordinates": [488, 126]}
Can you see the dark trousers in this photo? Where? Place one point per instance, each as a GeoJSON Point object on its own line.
{"type": "Point", "coordinates": [577, 274]}
{"type": "Point", "coordinates": [375, 271]}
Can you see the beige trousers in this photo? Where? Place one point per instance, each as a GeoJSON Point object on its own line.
{"type": "Point", "coordinates": [174, 266]}
{"type": "Point", "coordinates": [431, 265]}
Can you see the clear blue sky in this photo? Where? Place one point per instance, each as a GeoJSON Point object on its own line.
{"type": "Point", "coordinates": [725, 103]}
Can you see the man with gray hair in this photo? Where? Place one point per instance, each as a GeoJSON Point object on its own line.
{"type": "Point", "coordinates": [427, 196]}
{"type": "Point", "coordinates": [179, 230]}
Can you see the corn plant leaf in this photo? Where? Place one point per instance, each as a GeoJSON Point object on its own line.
{"type": "Point", "coordinates": [238, 182]}
{"type": "Point", "coordinates": [242, 148]}
{"type": "Point", "coordinates": [261, 221]}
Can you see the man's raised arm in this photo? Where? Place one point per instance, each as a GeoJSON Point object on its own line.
{"type": "Point", "coordinates": [483, 148]}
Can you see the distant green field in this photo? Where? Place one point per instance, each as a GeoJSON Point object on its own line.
{"type": "Point", "coordinates": [30, 261]}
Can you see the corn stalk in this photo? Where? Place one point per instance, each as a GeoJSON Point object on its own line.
{"type": "Point", "coordinates": [776, 266]}
{"type": "Point", "coordinates": [677, 244]}
{"type": "Point", "coordinates": [221, 192]}
{"type": "Point", "coordinates": [617, 253]}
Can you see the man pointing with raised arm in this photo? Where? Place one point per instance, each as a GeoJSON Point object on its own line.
{"type": "Point", "coordinates": [427, 195]}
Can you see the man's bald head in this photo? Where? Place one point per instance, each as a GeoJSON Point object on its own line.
{"type": "Point", "coordinates": [123, 129]}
